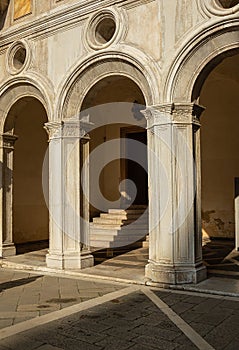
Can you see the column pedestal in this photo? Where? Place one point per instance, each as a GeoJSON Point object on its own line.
{"type": "Point", "coordinates": [175, 238]}
{"type": "Point", "coordinates": [8, 249]}
{"type": "Point", "coordinates": [163, 274]}
{"type": "Point", "coordinates": [69, 261]}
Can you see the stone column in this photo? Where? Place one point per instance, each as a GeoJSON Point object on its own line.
{"type": "Point", "coordinates": [7, 247]}
{"type": "Point", "coordinates": [68, 249]}
{"type": "Point", "coordinates": [175, 239]}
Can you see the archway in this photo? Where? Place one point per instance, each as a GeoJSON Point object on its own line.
{"type": "Point", "coordinates": [217, 90]}
{"type": "Point", "coordinates": [113, 107]}
{"type": "Point", "coordinates": [30, 219]}
{"type": "Point", "coordinates": [192, 64]}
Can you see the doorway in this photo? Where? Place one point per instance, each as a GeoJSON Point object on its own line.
{"type": "Point", "coordinates": [131, 169]}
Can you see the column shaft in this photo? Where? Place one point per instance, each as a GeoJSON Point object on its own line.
{"type": "Point", "coordinates": [174, 195]}
{"type": "Point", "coordinates": [67, 234]}
{"type": "Point", "coordinates": [7, 247]}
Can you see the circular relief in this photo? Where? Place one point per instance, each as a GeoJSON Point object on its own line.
{"type": "Point", "coordinates": [103, 29]}
{"type": "Point", "coordinates": [17, 57]}
{"type": "Point", "coordinates": [226, 4]}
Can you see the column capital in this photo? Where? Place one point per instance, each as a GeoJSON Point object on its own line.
{"type": "Point", "coordinates": [72, 128]}
{"type": "Point", "coordinates": [53, 129]}
{"type": "Point", "coordinates": [173, 113]}
{"type": "Point", "coordinates": [7, 141]}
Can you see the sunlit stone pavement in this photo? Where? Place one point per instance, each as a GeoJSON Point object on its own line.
{"type": "Point", "coordinates": [88, 314]}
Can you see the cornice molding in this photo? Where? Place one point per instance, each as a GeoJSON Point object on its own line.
{"type": "Point", "coordinates": [57, 19]}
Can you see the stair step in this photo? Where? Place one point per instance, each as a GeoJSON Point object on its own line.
{"type": "Point", "coordinates": [101, 221]}
{"type": "Point", "coordinates": [126, 211]}
{"type": "Point", "coordinates": [96, 234]}
{"type": "Point", "coordinates": [119, 227]}
{"type": "Point", "coordinates": [113, 244]}
{"type": "Point", "coordinates": [133, 227]}
{"type": "Point", "coordinates": [106, 227]}
{"type": "Point", "coordinates": [122, 216]}
{"type": "Point", "coordinates": [119, 242]}
{"type": "Point", "coordinates": [115, 233]}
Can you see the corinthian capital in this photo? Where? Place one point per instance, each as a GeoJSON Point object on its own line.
{"type": "Point", "coordinates": [54, 129]}
{"type": "Point", "coordinates": [185, 113]}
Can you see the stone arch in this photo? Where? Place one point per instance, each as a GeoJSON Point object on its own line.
{"type": "Point", "coordinates": [14, 90]}
{"type": "Point", "coordinates": [203, 52]}
{"type": "Point", "coordinates": [17, 98]}
{"type": "Point", "coordinates": [98, 67]}
{"type": "Point", "coordinates": [190, 69]}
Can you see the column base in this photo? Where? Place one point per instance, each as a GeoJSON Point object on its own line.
{"type": "Point", "coordinates": [69, 261]}
{"type": "Point", "coordinates": [8, 249]}
{"type": "Point", "coordinates": [158, 273]}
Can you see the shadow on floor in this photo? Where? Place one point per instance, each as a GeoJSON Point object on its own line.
{"type": "Point", "coordinates": [219, 254]}
{"type": "Point", "coordinates": [28, 247]}
{"type": "Point", "coordinates": [17, 283]}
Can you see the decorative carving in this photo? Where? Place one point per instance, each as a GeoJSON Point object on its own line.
{"type": "Point", "coordinates": [104, 28]}
{"type": "Point", "coordinates": [173, 114]}
{"type": "Point", "coordinates": [8, 141]}
{"type": "Point", "coordinates": [66, 129]}
{"type": "Point", "coordinates": [219, 7]}
{"type": "Point", "coordinates": [54, 129]}
{"type": "Point", "coordinates": [72, 129]}
{"type": "Point", "coordinates": [18, 56]}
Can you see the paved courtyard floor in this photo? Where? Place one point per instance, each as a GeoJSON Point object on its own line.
{"type": "Point", "coordinates": [47, 312]}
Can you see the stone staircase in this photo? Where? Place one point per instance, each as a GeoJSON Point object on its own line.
{"type": "Point", "coordinates": [119, 228]}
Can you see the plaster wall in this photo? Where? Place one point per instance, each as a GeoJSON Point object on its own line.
{"type": "Point", "coordinates": [30, 214]}
{"type": "Point", "coordinates": [219, 147]}
{"type": "Point", "coordinates": [155, 27]}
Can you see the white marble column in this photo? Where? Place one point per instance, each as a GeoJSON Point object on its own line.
{"type": "Point", "coordinates": [68, 232]}
{"type": "Point", "coordinates": [7, 247]}
{"type": "Point", "coordinates": [175, 239]}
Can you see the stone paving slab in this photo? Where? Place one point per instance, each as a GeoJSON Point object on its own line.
{"type": "Point", "coordinates": [24, 295]}
{"type": "Point", "coordinates": [133, 321]}
{"type": "Point", "coordinates": [214, 285]}
{"type": "Point", "coordinates": [128, 267]}
{"type": "Point", "coordinates": [122, 323]}
{"type": "Point", "coordinates": [215, 319]}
